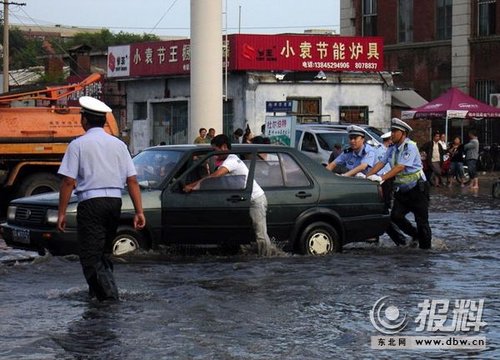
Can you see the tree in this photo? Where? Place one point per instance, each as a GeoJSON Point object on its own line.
{"type": "Point", "coordinates": [23, 52]}
{"type": "Point", "coordinates": [101, 40]}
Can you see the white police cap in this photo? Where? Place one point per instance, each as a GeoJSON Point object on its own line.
{"type": "Point", "coordinates": [93, 106]}
{"type": "Point", "coordinates": [355, 130]}
{"type": "Point", "coordinates": [386, 135]}
{"type": "Point", "coordinates": [400, 125]}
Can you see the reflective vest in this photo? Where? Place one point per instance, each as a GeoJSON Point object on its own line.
{"type": "Point", "coordinates": [404, 178]}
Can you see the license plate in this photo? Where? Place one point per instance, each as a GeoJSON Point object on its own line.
{"type": "Point", "coordinates": [21, 236]}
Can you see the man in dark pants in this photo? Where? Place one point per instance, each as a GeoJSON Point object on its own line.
{"type": "Point", "coordinates": [97, 165]}
{"type": "Point", "coordinates": [411, 190]}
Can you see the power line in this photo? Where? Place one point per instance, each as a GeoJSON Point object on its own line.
{"type": "Point", "coordinates": [164, 14]}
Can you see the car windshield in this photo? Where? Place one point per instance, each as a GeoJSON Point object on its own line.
{"type": "Point", "coordinates": [375, 133]}
{"type": "Point", "coordinates": [154, 165]}
{"type": "Point", "coordinates": [328, 139]}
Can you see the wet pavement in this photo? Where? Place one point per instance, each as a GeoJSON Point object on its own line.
{"type": "Point", "coordinates": [247, 307]}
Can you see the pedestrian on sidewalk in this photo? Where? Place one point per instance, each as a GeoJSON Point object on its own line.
{"type": "Point", "coordinates": [471, 156]}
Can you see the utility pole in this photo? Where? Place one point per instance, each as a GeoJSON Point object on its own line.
{"type": "Point", "coordinates": [6, 43]}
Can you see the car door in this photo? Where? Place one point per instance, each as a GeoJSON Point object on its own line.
{"type": "Point", "coordinates": [215, 213]}
{"type": "Point", "coordinates": [310, 146]}
{"type": "Point", "coordinates": [290, 190]}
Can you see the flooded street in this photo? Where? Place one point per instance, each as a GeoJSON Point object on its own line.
{"type": "Point", "coordinates": [246, 307]}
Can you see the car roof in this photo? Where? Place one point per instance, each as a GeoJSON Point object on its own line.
{"type": "Point", "coordinates": [320, 129]}
{"type": "Point", "coordinates": [243, 147]}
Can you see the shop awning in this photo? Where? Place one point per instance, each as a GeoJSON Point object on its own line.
{"type": "Point", "coordinates": [407, 99]}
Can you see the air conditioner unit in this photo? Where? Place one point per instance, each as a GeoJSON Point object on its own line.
{"type": "Point", "coordinates": [495, 100]}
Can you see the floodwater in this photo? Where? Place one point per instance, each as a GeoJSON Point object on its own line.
{"type": "Point", "coordinates": [246, 307]}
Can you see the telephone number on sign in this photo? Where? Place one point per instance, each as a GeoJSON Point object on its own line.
{"type": "Point", "coordinates": [363, 65]}
{"type": "Point", "coordinates": [326, 65]}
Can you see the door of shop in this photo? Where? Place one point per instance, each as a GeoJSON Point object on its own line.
{"type": "Point", "coordinates": [170, 122]}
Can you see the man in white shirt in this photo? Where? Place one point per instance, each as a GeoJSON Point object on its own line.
{"type": "Point", "coordinates": [233, 165]}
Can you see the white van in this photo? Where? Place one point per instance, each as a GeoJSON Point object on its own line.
{"type": "Point", "coordinates": [317, 140]}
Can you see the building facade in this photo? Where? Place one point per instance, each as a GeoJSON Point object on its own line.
{"type": "Point", "coordinates": [434, 45]}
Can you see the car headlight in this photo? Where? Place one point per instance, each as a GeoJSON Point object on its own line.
{"type": "Point", "coordinates": [11, 213]}
{"type": "Point", "coordinates": [51, 216]}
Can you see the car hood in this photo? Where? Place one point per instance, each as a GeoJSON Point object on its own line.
{"type": "Point", "coordinates": [150, 199]}
{"type": "Point", "coordinates": [47, 199]}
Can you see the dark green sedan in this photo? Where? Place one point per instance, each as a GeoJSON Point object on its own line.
{"type": "Point", "coordinates": [310, 210]}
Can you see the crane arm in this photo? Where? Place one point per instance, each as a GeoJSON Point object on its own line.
{"type": "Point", "coordinates": [50, 93]}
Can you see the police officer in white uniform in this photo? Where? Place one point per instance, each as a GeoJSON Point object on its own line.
{"type": "Point", "coordinates": [358, 158]}
{"type": "Point", "coordinates": [97, 166]}
{"type": "Point", "coordinates": [411, 190]}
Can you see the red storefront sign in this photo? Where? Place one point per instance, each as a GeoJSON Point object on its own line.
{"type": "Point", "coordinates": [261, 52]}
{"type": "Point", "coordinates": [306, 53]}
{"type": "Point", "coordinates": [158, 58]}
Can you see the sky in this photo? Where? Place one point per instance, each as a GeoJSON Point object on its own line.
{"type": "Point", "coordinates": [171, 17]}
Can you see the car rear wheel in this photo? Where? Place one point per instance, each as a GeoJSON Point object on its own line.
{"type": "Point", "coordinates": [320, 238]}
{"type": "Point", "coordinates": [126, 241]}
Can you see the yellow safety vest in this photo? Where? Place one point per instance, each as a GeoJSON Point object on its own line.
{"type": "Point", "coordinates": [403, 178]}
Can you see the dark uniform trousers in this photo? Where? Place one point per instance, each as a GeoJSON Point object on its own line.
{"type": "Point", "coordinates": [392, 230]}
{"type": "Point", "coordinates": [416, 201]}
{"type": "Point", "coordinates": [98, 219]}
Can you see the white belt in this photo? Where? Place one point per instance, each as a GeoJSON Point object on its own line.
{"type": "Point", "coordinates": [94, 193]}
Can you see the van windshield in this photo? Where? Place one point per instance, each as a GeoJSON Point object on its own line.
{"type": "Point", "coordinates": [375, 133]}
{"type": "Point", "coordinates": [328, 139]}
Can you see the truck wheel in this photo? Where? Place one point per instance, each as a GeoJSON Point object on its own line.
{"type": "Point", "coordinates": [38, 184]}
{"type": "Point", "coordinates": [319, 238]}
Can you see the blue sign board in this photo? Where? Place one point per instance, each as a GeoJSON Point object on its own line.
{"type": "Point", "coordinates": [279, 106]}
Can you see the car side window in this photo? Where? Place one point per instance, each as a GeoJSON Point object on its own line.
{"type": "Point", "coordinates": [309, 143]}
{"type": "Point", "coordinates": [268, 172]}
{"type": "Point", "coordinates": [208, 166]}
{"type": "Point", "coordinates": [294, 175]}
{"type": "Point", "coordinates": [279, 170]}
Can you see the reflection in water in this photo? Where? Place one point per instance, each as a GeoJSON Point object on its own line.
{"type": "Point", "coordinates": [246, 307]}
{"type": "Point", "coordinates": [93, 335]}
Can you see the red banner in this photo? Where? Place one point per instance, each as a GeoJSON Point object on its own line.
{"type": "Point", "coordinates": [254, 52]}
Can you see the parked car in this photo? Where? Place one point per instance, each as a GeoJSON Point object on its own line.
{"type": "Point", "coordinates": [317, 140]}
{"type": "Point", "coordinates": [310, 211]}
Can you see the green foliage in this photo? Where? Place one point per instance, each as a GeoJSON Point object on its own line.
{"type": "Point", "coordinates": [101, 40]}
{"type": "Point", "coordinates": [23, 52]}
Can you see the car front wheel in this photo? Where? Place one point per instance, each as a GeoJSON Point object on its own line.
{"type": "Point", "coordinates": [319, 238]}
{"type": "Point", "coordinates": [126, 242]}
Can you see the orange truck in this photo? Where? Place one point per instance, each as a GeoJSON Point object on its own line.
{"type": "Point", "coordinates": [33, 139]}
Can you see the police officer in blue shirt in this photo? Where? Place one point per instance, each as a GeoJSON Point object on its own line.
{"type": "Point", "coordinates": [411, 190]}
{"type": "Point", "coordinates": [97, 165]}
{"type": "Point", "coordinates": [358, 158]}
